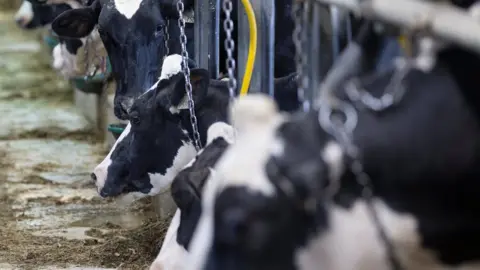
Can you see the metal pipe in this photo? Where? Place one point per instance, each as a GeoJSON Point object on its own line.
{"type": "Point", "coordinates": [263, 73]}
{"type": "Point", "coordinates": [207, 43]}
{"type": "Point", "coordinates": [444, 21]}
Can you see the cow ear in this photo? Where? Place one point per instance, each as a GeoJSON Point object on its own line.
{"type": "Point", "coordinates": [77, 23]}
{"type": "Point", "coordinates": [187, 187]}
{"type": "Point", "coordinates": [199, 79]}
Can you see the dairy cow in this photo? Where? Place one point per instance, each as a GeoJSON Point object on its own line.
{"type": "Point", "coordinates": [32, 15]}
{"type": "Point", "coordinates": [297, 203]}
{"type": "Point", "coordinates": [158, 143]}
{"type": "Point", "coordinates": [137, 48]}
{"type": "Point", "coordinates": [67, 55]}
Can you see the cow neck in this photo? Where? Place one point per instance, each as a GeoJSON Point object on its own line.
{"type": "Point", "coordinates": [205, 119]}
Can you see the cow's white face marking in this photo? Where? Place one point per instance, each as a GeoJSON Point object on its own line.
{"type": "Point", "coordinates": [101, 171]}
{"type": "Point", "coordinates": [161, 182]}
{"type": "Point", "coordinates": [221, 129]}
{"type": "Point", "coordinates": [172, 65]}
{"type": "Point", "coordinates": [253, 111]}
{"type": "Point", "coordinates": [25, 13]}
{"type": "Point", "coordinates": [63, 61]}
{"type": "Point", "coordinates": [171, 255]}
{"type": "Point", "coordinates": [127, 8]}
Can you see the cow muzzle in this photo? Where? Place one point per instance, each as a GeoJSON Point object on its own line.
{"type": "Point", "coordinates": [122, 106]}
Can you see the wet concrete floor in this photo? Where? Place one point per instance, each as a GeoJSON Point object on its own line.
{"type": "Point", "coordinates": [50, 215]}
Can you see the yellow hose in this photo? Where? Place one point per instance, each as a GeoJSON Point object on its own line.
{"type": "Point", "coordinates": [252, 47]}
{"type": "Point", "coordinates": [405, 44]}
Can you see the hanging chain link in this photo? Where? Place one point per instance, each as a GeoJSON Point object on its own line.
{"type": "Point", "coordinates": [330, 110]}
{"type": "Point", "coordinates": [300, 57]}
{"type": "Point", "coordinates": [167, 38]}
{"type": "Point", "coordinates": [393, 93]}
{"type": "Point", "coordinates": [343, 132]}
{"type": "Point", "coordinates": [186, 73]}
{"type": "Point", "coordinates": [230, 47]}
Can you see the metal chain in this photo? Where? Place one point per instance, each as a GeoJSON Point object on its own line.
{"type": "Point", "coordinates": [343, 132]}
{"type": "Point", "coordinates": [230, 47]}
{"type": "Point", "coordinates": [300, 57]}
{"type": "Point", "coordinates": [167, 38]}
{"type": "Point", "coordinates": [393, 92]}
{"type": "Point", "coordinates": [186, 73]}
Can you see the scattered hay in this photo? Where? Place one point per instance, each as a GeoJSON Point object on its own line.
{"type": "Point", "coordinates": [124, 249]}
{"type": "Point", "coordinates": [57, 134]}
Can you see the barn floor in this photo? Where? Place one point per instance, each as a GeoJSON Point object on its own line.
{"type": "Point", "coordinates": [50, 215]}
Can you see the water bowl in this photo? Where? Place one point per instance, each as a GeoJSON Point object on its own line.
{"type": "Point", "coordinates": [89, 85]}
{"type": "Point", "coordinates": [50, 40]}
{"type": "Point", "coordinates": [116, 129]}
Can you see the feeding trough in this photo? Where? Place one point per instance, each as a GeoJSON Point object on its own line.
{"type": "Point", "coordinates": [50, 39]}
{"type": "Point", "coordinates": [116, 129]}
{"type": "Point", "coordinates": [92, 84]}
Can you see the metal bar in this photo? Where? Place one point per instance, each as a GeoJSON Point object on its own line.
{"type": "Point", "coordinates": [420, 15]}
{"type": "Point", "coordinates": [313, 49]}
{"type": "Point", "coordinates": [263, 72]}
{"type": "Point", "coordinates": [335, 21]}
{"type": "Point", "coordinates": [207, 17]}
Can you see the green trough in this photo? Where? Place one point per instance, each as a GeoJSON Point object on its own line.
{"type": "Point", "coordinates": [92, 84]}
{"type": "Point", "coordinates": [116, 129]}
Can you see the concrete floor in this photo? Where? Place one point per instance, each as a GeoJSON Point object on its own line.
{"type": "Point", "coordinates": [47, 152]}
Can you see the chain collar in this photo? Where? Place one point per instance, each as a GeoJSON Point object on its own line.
{"type": "Point", "coordinates": [299, 36]}
{"type": "Point", "coordinates": [343, 132]}
{"type": "Point", "coordinates": [230, 47]}
{"type": "Point", "coordinates": [392, 94]}
{"type": "Point", "coordinates": [186, 73]}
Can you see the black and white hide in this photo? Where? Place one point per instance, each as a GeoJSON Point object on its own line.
{"type": "Point", "coordinates": [284, 195]}
{"type": "Point", "coordinates": [186, 190]}
{"type": "Point", "coordinates": [157, 143]}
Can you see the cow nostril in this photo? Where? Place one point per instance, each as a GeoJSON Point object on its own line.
{"type": "Point", "coordinates": [94, 177]}
{"type": "Point", "coordinates": [19, 21]}
{"type": "Point", "coordinates": [121, 112]}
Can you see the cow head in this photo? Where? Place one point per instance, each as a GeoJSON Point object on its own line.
{"type": "Point", "coordinates": [133, 35]}
{"type": "Point", "coordinates": [64, 56]}
{"type": "Point", "coordinates": [32, 15]}
{"type": "Point", "coordinates": [257, 212]}
{"type": "Point", "coordinates": [157, 143]}
{"type": "Point", "coordinates": [406, 150]}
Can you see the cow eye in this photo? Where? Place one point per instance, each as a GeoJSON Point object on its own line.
{"type": "Point", "coordinates": [135, 119]}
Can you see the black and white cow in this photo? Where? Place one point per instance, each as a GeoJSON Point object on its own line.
{"type": "Point", "coordinates": [186, 190]}
{"type": "Point", "coordinates": [137, 48]}
{"type": "Point", "coordinates": [296, 204]}
{"type": "Point", "coordinates": [71, 54]}
{"type": "Point", "coordinates": [32, 15]}
{"type": "Point", "coordinates": [157, 143]}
